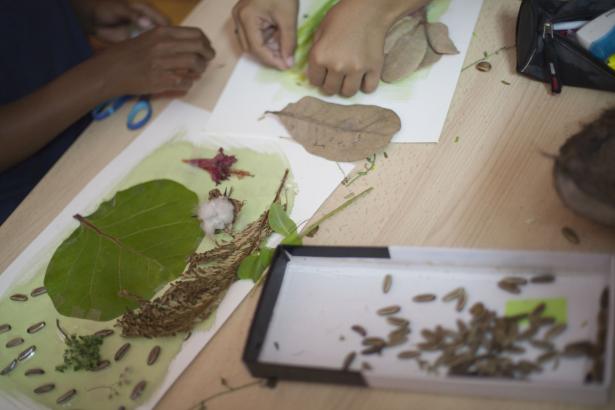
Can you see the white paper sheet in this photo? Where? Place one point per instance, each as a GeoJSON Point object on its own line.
{"type": "Point", "coordinates": [422, 101]}
{"type": "Point", "coordinates": [314, 177]}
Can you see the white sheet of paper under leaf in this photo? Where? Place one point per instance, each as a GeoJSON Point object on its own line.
{"type": "Point", "coordinates": [422, 101]}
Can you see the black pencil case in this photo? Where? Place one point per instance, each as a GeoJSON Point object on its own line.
{"type": "Point", "coordinates": [554, 57]}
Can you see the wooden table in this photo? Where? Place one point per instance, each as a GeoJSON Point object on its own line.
{"type": "Point", "coordinates": [486, 185]}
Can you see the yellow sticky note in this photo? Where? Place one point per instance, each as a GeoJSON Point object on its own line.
{"type": "Point", "coordinates": [555, 307]}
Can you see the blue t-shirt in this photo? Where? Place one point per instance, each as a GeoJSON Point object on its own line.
{"type": "Point", "coordinates": [39, 40]}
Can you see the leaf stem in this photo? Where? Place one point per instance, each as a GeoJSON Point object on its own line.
{"type": "Point", "coordinates": [334, 212]}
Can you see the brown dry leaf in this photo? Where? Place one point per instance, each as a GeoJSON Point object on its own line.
{"type": "Point", "coordinates": [431, 57]}
{"type": "Point", "coordinates": [339, 132]}
{"type": "Point", "coordinates": [406, 55]}
{"type": "Point", "coordinates": [439, 39]}
{"type": "Point", "coordinates": [401, 27]}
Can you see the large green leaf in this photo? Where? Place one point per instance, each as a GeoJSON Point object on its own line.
{"type": "Point", "coordinates": [136, 242]}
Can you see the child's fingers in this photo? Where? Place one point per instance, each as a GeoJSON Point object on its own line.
{"type": "Point", "coordinates": [148, 11]}
{"type": "Point", "coordinates": [199, 46]}
{"type": "Point", "coordinates": [370, 82]}
{"type": "Point", "coordinates": [173, 82]}
{"type": "Point", "coordinates": [333, 82]}
{"type": "Point", "coordinates": [189, 62]}
{"type": "Point", "coordinates": [259, 45]}
{"type": "Point", "coordinates": [287, 29]}
{"type": "Point", "coordinates": [351, 84]}
{"type": "Point", "coordinates": [316, 74]}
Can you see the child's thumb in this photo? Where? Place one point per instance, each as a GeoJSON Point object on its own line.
{"type": "Point", "coordinates": [288, 41]}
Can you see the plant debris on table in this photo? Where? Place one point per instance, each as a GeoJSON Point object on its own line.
{"type": "Point", "coordinates": [339, 132]}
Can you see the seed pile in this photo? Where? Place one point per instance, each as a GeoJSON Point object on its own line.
{"type": "Point", "coordinates": [487, 345]}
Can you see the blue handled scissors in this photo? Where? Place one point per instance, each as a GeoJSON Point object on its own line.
{"type": "Point", "coordinates": [138, 116]}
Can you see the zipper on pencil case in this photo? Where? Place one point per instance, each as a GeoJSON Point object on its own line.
{"type": "Point", "coordinates": [551, 58]}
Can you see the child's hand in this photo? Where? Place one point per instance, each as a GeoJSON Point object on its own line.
{"type": "Point", "coordinates": [165, 59]}
{"type": "Point", "coordinates": [267, 29]}
{"type": "Point", "coordinates": [347, 54]}
{"type": "Point", "coordinates": [118, 20]}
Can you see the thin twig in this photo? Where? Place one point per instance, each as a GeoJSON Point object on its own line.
{"type": "Point", "coordinates": [201, 404]}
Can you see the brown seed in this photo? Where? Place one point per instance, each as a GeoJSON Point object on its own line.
{"type": "Point", "coordinates": [137, 391]}
{"type": "Point", "coordinates": [426, 297]}
{"type": "Point", "coordinates": [515, 280]}
{"type": "Point", "coordinates": [5, 328]}
{"type": "Point", "coordinates": [539, 309]}
{"type": "Point", "coordinates": [555, 331]}
{"type": "Point", "coordinates": [389, 310]}
{"type": "Point", "coordinates": [452, 295]}
{"type": "Point", "coordinates": [545, 278]}
{"type": "Point", "coordinates": [19, 297]}
{"type": "Point", "coordinates": [477, 309]}
{"type": "Point", "coordinates": [461, 302]}
{"type": "Point", "coordinates": [580, 348]}
{"type": "Point", "coordinates": [34, 372]}
{"type": "Point", "coordinates": [14, 342]}
{"type": "Point", "coordinates": [66, 397]}
{"type": "Point", "coordinates": [545, 357]}
{"type": "Point", "coordinates": [387, 283]}
{"type": "Point", "coordinates": [509, 287]}
{"type": "Point", "coordinates": [104, 333]}
{"type": "Point", "coordinates": [360, 330]}
{"type": "Point", "coordinates": [121, 352]}
{"type": "Point", "coordinates": [428, 346]}
{"type": "Point", "coordinates": [545, 321]}
{"type": "Point", "coordinates": [570, 235]}
{"type": "Point", "coordinates": [152, 357]}
{"type": "Point", "coordinates": [45, 388]}
{"type": "Point", "coordinates": [11, 366]}
{"type": "Point", "coordinates": [372, 350]}
{"type": "Point", "coordinates": [102, 365]}
{"type": "Point", "coordinates": [26, 354]}
{"type": "Point", "coordinates": [408, 354]}
{"type": "Point", "coordinates": [398, 321]}
{"type": "Point", "coordinates": [36, 327]}
{"type": "Point", "coordinates": [542, 344]}
{"type": "Point", "coordinates": [348, 361]}
{"type": "Point", "coordinates": [38, 291]}
{"type": "Point", "coordinates": [483, 66]}
{"type": "Point", "coordinates": [373, 341]}
{"type": "Point", "coordinates": [366, 366]}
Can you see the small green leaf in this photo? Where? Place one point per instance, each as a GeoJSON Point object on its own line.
{"type": "Point", "coordinates": [253, 266]}
{"type": "Point", "coordinates": [293, 239]}
{"type": "Point", "coordinates": [279, 220]}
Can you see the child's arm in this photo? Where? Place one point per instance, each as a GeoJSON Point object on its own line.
{"type": "Point", "coordinates": [347, 54]}
{"type": "Point", "coordinates": [166, 59]}
{"type": "Point", "coordinates": [267, 29]}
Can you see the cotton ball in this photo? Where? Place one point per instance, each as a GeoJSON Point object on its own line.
{"type": "Point", "coordinates": [216, 214]}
